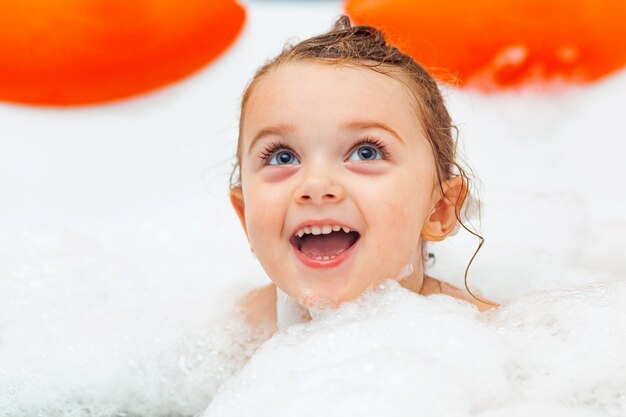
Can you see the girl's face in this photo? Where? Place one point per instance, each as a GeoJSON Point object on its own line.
{"type": "Point", "coordinates": [323, 147]}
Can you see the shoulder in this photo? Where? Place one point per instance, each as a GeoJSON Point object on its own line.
{"type": "Point", "coordinates": [452, 291]}
{"type": "Point", "coordinates": [259, 309]}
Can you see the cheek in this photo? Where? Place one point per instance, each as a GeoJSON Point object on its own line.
{"type": "Point", "coordinates": [265, 212]}
{"type": "Point", "coordinates": [401, 224]}
{"type": "Point", "coordinates": [399, 198]}
{"type": "Point", "coordinates": [396, 211]}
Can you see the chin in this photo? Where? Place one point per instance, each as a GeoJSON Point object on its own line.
{"type": "Point", "coordinates": [322, 298]}
{"type": "Point", "coordinates": [320, 302]}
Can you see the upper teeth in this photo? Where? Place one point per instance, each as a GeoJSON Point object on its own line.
{"type": "Point", "coordinates": [321, 230]}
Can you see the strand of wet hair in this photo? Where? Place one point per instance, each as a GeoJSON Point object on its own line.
{"type": "Point", "coordinates": [482, 239]}
{"type": "Point", "coordinates": [480, 244]}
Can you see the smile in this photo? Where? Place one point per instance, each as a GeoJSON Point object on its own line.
{"type": "Point", "coordinates": [324, 246]}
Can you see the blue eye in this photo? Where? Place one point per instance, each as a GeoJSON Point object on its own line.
{"type": "Point", "coordinates": [365, 153]}
{"type": "Point", "coordinates": [283, 157]}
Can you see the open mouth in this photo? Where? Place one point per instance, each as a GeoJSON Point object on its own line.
{"type": "Point", "coordinates": [324, 243]}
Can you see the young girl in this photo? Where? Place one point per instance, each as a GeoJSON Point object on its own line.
{"type": "Point", "coordinates": [344, 170]}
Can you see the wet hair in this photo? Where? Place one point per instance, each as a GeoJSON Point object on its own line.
{"type": "Point", "coordinates": [365, 47]}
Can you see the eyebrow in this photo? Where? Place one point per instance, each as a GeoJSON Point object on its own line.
{"type": "Point", "coordinates": [284, 128]}
{"type": "Point", "coordinates": [280, 129]}
{"type": "Point", "coordinates": [366, 124]}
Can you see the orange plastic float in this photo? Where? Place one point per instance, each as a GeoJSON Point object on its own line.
{"type": "Point", "coordinates": [493, 44]}
{"type": "Point", "coordinates": [70, 52]}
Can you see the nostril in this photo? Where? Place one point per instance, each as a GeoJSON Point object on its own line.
{"type": "Point", "coordinates": [318, 198]}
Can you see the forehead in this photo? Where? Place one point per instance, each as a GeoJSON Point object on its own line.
{"type": "Point", "coordinates": [305, 93]}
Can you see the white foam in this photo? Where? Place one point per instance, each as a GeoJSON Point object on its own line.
{"type": "Point", "coordinates": [394, 352]}
{"type": "Point", "coordinates": [83, 333]}
{"type": "Point", "coordinates": [288, 310]}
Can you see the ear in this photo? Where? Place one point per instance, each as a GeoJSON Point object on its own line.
{"type": "Point", "coordinates": [442, 219]}
{"type": "Point", "coordinates": [236, 199]}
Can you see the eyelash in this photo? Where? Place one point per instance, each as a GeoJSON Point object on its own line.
{"type": "Point", "coordinates": [271, 149]}
{"type": "Point", "coordinates": [376, 143]}
{"type": "Point", "coordinates": [274, 147]}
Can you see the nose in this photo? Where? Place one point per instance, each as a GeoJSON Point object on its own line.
{"type": "Point", "coordinates": [318, 187]}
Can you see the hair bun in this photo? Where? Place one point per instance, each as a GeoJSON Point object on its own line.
{"type": "Point", "coordinates": [342, 23]}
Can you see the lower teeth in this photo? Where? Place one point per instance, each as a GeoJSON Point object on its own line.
{"type": "Point", "coordinates": [324, 258]}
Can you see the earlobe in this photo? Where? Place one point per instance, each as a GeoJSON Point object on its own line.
{"type": "Point", "coordinates": [236, 199]}
{"type": "Point", "coordinates": [443, 218]}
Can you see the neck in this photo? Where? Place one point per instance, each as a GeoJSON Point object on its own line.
{"type": "Point", "coordinates": [415, 281]}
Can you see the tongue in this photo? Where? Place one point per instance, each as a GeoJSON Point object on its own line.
{"type": "Point", "coordinates": [326, 245]}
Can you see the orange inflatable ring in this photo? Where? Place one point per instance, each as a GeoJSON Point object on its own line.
{"type": "Point", "coordinates": [70, 52]}
{"type": "Point", "coordinates": [493, 44]}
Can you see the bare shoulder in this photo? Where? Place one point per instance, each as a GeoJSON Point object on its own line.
{"type": "Point", "coordinates": [452, 291]}
{"type": "Point", "coordinates": [259, 309]}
